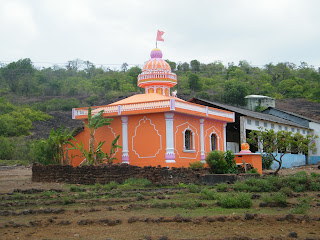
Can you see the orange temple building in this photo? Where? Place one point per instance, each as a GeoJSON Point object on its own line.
{"type": "Point", "coordinates": [157, 128]}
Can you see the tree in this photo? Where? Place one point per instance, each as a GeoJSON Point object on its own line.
{"type": "Point", "coordinates": [234, 92]}
{"type": "Point", "coordinates": [172, 65]}
{"type": "Point", "coordinates": [94, 122]}
{"type": "Point", "coordinates": [279, 143]}
{"type": "Point", "coordinates": [124, 67]}
{"type": "Point", "coordinates": [16, 73]}
{"type": "Point", "coordinates": [58, 141]}
{"type": "Point", "coordinates": [194, 82]}
{"type": "Point", "coordinates": [195, 66]}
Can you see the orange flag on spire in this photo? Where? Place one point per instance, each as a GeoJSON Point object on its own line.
{"type": "Point", "coordinates": [159, 36]}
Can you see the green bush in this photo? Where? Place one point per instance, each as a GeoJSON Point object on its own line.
{"type": "Point", "coordinates": [207, 194]}
{"type": "Point", "coordinates": [193, 188]}
{"type": "Point", "coordinates": [216, 162]}
{"type": "Point", "coordinates": [56, 104]}
{"type": "Point", "coordinates": [182, 185]}
{"type": "Point", "coordinates": [287, 191]}
{"type": "Point", "coordinates": [267, 161]}
{"type": "Point", "coordinates": [315, 175]}
{"type": "Point", "coordinates": [135, 183]}
{"type": "Point", "coordinates": [6, 148]}
{"type": "Point", "coordinates": [302, 207]}
{"type": "Point", "coordinates": [241, 187]}
{"type": "Point", "coordinates": [111, 185]}
{"type": "Point", "coordinates": [222, 187]}
{"type": "Point", "coordinates": [220, 162]}
{"type": "Point", "coordinates": [259, 185]}
{"type": "Point", "coordinates": [239, 200]}
{"type": "Point", "coordinates": [74, 188]}
{"type": "Point", "coordinates": [229, 158]}
{"type": "Point", "coordinates": [279, 198]}
{"type": "Point", "coordinates": [315, 186]}
{"type": "Point", "coordinates": [196, 165]}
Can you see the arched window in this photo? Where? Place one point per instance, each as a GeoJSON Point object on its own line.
{"type": "Point", "coordinates": [213, 141]}
{"type": "Point", "coordinates": [159, 90]}
{"type": "Point", "coordinates": [188, 140]}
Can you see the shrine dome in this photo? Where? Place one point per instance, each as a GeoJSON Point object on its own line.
{"type": "Point", "coordinates": [156, 76]}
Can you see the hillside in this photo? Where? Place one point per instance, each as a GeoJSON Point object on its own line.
{"type": "Point", "coordinates": [300, 106]}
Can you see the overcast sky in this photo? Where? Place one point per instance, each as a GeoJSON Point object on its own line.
{"type": "Point", "coordinates": [114, 31]}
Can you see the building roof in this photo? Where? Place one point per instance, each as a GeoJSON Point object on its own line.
{"type": "Point", "coordinates": [258, 96]}
{"type": "Point", "coordinates": [150, 97]}
{"type": "Point", "coordinates": [293, 114]}
{"type": "Point", "coordinates": [155, 103]}
{"type": "Point", "coordinates": [248, 113]}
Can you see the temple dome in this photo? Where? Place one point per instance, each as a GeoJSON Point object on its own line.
{"type": "Point", "coordinates": [157, 73]}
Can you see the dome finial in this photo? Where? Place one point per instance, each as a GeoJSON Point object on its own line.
{"type": "Point", "coordinates": [156, 53]}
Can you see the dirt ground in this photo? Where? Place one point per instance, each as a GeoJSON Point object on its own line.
{"type": "Point", "coordinates": [150, 225]}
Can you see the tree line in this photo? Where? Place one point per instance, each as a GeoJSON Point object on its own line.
{"type": "Point", "coordinates": [213, 81]}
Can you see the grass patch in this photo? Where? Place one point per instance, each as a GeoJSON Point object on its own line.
{"type": "Point", "coordinates": [302, 207]}
{"type": "Point", "coordinates": [222, 187]}
{"type": "Point", "coordinates": [15, 162]}
{"type": "Point", "coordinates": [237, 200]}
{"type": "Point", "coordinates": [207, 194]}
{"type": "Point", "coordinates": [192, 188]}
{"type": "Point", "coordinates": [278, 198]}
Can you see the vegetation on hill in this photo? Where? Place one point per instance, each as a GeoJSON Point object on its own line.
{"type": "Point", "coordinates": [212, 81]}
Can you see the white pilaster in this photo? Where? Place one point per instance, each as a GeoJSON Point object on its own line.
{"type": "Point", "coordinates": [203, 155]}
{"type": "Point", "coordinates": [170, 155]}
{"type": "Point", "coordinates": [125, 151]}
{"type": "Point", "coordinates": [225, 136]}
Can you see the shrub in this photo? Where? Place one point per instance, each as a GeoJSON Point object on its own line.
{"type": "Point", "coordinates": [287, 191]}
{"type": "Point", "coordinates": [56, 104]}
{"type": "Point", "coordinates": [239, 200]}
{"type": "Point", "coordinates": [215, 160]}
{"type": "Point", "coordinates": [111, 185]}
{"type": "Point", "coordinates": [279, 198]}
{"type": "Point", "coordinates": [302, 207]}
{"type": "Point", "coordinates": [299, 188]}
{"type": "Point", "coordinates": [138, 182]}
{"type": "Point", "coordinates": [207, 194]}
{"type": "Point", "coordinates": [314, 175]}
{"type": "Point", "coordinates": [259, 185]}
{"type": "Point", "coordinates": [229, 158]}
{"type": "Point", "coordinates": [139, 197]}
{"type": "Point", "coordinates": [241, 186]}
{"type": "Point", "coordinates": [222, 187]}
{"type": "Point", "coordinates": [196, 165]}
{"type": "Point", "coordinates": [193, 188]}
{"type": "Point", "coordinates": [6, 148]}
{"type": "Point", "coordinates": [182, 185]}
{"type": "Point", "coordinates": [267, 161]}
{"type": "Point", "coordinates": [315, 186]}
{"type": "Point", "coordinates": [74, 188]}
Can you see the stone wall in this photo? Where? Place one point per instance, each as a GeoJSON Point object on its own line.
{"type": "Point", "coordinates": [104, 174]}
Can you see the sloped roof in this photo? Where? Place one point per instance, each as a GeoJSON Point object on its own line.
{"type": "Point", "coordinates": [150, 97]}
{"type": "Point", "coordinates": [293, 114]}
{"type": "Point", "coordinates": [246, 112]}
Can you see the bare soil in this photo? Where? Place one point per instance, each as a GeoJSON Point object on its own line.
{"type": "Point", "coordinates": [107, 219]}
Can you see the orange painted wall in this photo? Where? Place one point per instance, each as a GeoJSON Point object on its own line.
{"type": "Point", "coordinates": [254, 159]}
{"type": "Point", "coordinates": [216, 127]}
{"type": "Point", "coordinates": [105, 133]}
{"type": "Point", "coordinates": [147, 139]}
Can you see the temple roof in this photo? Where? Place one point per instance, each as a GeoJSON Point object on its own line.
{"type": "Point", "coordinates": [139, 98]}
